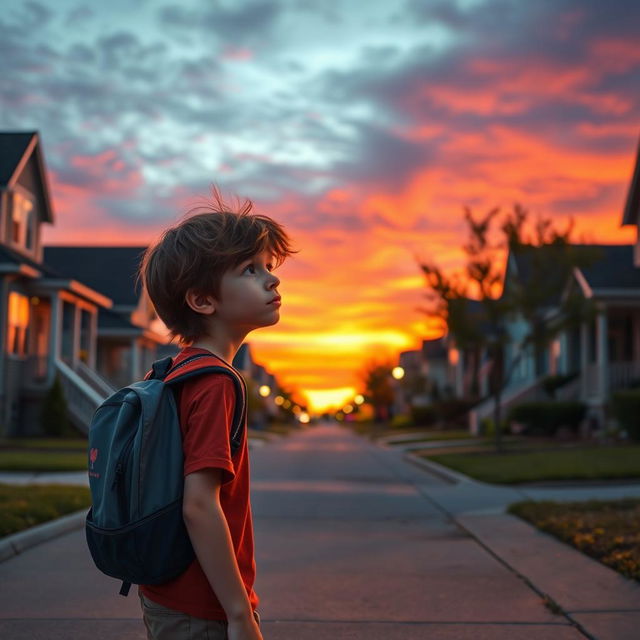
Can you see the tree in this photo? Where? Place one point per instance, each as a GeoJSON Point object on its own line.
{"type": "Point", "coordinates": [540, 295]}
{"type": "Point", "coordinates": [54, 415]}
{"type": "Point", "coordinates": [376, 378]}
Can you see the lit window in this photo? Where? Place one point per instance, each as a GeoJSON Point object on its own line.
{"type": "Point", "coordinates": [18, 323]}
{"type": "Point", "coordinates": [22, 223]}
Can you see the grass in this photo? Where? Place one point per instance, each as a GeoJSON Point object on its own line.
{"type": "Point", "coordinates": [45, 444]}
{"type": "Point", "coordinates": [608, 531]}
{"type": "Point", "coordinates": [43, 460]}
{"type": "Point", "coordinates": [25, 506]}
{"type": "Point", "coordinates": [576, 463]}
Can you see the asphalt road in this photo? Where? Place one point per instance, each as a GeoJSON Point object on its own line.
{"type": "Point", "coordinates": [348, 543]}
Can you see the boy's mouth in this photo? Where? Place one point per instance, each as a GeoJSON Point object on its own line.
{"type": "Point", "coordinates": [276, 300]}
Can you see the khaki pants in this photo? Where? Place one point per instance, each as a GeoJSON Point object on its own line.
{"type": "Point", "coordinates": [167, 624]}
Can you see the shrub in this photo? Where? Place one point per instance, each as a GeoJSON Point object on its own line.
{"type": "Point", "coordinates": [54, 417]}
{"type": "Point", "coordinates": [551, 384]}
{"type": "Point", "coordinates": [487, 428]}
{"type": "Point", "coordinates": [453, 411]}
{"type": "Point", "coordinates": [546, 417]}
{"type": "Point", "coordinates": [424, 416]}
{"type": "Point", "coordinates": [626, 409]}
{"type": "Point", "coordinates": [401, 421]}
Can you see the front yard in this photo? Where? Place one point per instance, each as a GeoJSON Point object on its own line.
{"type": "Point", "coordinates": [608, 531]}
{"type": "Point", "coordinates": [543, 463]}
{"type": "Point", "coordinates": [24, 506]}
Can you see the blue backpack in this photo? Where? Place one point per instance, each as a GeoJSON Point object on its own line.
{"type": "Point", "coordinates": [135, 529]}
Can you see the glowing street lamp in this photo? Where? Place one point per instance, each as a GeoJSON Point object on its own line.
{"type": "Point", "coordinates": [264, 390]}
{"type": "Point", "coordinates": [279, 400]}
{"type": "Point", "coordinates": [398, 373]}
{"type": "Point", "coordinates": [347, 408]}
{"type": "Point", "coordinates": [359, 399]}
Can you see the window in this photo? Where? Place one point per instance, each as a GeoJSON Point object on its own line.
{"type": "Point", "coordinates": [22, 231]}
{"type": "Point", "coordinates": [18, 324]}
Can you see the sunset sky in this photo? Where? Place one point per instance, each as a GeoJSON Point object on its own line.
{"type": "Point", "coordinates": [364, 127]}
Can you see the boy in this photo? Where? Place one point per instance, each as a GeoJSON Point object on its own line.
{"type": "Point", "coordinates": [210, 280]}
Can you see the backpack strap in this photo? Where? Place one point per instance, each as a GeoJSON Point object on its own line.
{"type": "Point", "coordinates": [209, 363]}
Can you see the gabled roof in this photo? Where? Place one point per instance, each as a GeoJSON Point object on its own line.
{"type": "Point", "coordinates": [110, 270]}
{"type": "Point", "coordinates": [614, 268]}
{"type": "Point", "coordinates": [9, 256]}
{"type": "Point", "coordinates": [16, 147]}
{"type": "Point", "coordinates": [434, 349]}
{"type": "Point", "coordinates": [632, 204]}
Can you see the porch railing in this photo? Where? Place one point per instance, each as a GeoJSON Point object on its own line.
{"type": "Point", "coordinates": [622, 375]}
{"type": "Point", "coordinates": [94, 379]}
{"type": "Point", "coordinates": [82, 399]}
{"type": "Point", "coordinates": [508, 397]}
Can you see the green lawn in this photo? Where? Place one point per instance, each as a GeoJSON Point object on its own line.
{"type": "Point", "coordinates": [608, 531]}
{"type": "Point", "coordinates": [22, 507]}
{"type": "Point", "coordinates": [579, 463]}
{"type": "Point", "coordinates": [60, 444]}
{"type": "Point", "coordinates": [43, 461]}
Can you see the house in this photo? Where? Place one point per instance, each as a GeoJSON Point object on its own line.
{"type": "Point", "coordinates": [427, 375]}
{"type": "Point", "coordinates": [72, 313]}
{"type": "Point", "coordinates": [603, 354]}
{"type": "Point", "coordinates": [127, 340]}
{"type": "Point", "coordinates": [48, 321]}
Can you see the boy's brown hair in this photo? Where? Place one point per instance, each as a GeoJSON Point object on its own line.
{"type": "Point", "coordinates": [195, 253]}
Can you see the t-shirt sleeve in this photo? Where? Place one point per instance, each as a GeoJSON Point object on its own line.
{"type": "Point", "coordinates": [206, 409]}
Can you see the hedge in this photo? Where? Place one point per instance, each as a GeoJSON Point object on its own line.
{"type": "Point", "coordinates": [547, 417]}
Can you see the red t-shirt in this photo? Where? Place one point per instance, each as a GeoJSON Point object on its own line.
{"type": "Point", "coordinates": [206, 406]}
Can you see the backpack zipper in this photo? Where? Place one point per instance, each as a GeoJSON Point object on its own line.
{"type": "Point", "coordinates": [118, 479]}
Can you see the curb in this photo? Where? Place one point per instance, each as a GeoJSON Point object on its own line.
{"type": "Point", "coordinates": [19, 542]}
{"type": "Point", "coordinates": [444, 473]}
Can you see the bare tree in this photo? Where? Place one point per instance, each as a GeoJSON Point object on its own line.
{"type": "Point", "coordinates": [540, 295]}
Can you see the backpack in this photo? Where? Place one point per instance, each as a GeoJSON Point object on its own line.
{"type": "Point", "coordinates": [135, 529]}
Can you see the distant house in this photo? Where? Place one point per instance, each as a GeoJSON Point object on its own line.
{"type": "Point", "coordinates": [427, 375]}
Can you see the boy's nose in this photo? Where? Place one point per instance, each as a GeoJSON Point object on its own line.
{"type": "Point", "coordinates": [274, 283]}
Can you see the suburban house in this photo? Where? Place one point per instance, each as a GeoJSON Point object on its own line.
{"type": "Point", "coordinates": [72, 313]}
{"type": "Point", "coordinates": [48, 321]}
{"type": "Point", "coordinates": [427, 375]}
{"type": "Point", "coordinates": [127, 343]}
{"type": "Point", "coordinates": [602, 354]}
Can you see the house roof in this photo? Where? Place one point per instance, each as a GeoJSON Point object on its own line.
{"type": "Point", "coordinates": [632, 204]}
{"type": "Point", "coordinates": [13, 146]}
{"type": "Point", "coordinates": [614, 269]}
{"type": "Point", "coordinates": [434, 349]}
{"type": "Point", "coordinates": [9, 256]}
{"type": "Point", "coordinates": [15, 149]}
{"type": "Point", "coordinates": [110, 270]}
{"type": "Point", "coordinates": [108, 319]}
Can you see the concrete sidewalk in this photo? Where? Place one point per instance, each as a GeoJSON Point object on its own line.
{"type": "Point", "coordinates": [353, 541]}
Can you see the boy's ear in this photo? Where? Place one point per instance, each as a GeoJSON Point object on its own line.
{"type": "Point", "coordinates": [200, 302]}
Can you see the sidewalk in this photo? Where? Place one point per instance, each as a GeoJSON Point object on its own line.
{"type": "Point", "coordinates": [356, 540]}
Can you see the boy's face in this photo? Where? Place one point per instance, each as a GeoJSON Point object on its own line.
{"type": "Point", "coordinates": [247, 293]}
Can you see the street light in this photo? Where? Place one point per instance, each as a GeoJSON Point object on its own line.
{"type": "Point", "coordinates": [398, 373]}
{"type": "Point", "coordinates": [359, 399]}
{"type": "Point", "coordinates": [264, 390]}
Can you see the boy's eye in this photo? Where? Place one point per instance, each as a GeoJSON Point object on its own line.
{"type": "Point", "coordinates": [253, 267]}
